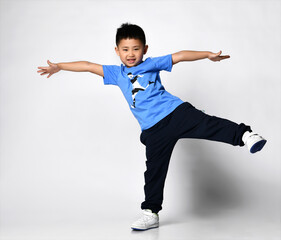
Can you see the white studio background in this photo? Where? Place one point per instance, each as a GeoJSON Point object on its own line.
{"type": "Point", "coordinates": [70, 148]}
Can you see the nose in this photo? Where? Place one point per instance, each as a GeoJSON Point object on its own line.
{"type": "Point", "coordinates": [131, 53]}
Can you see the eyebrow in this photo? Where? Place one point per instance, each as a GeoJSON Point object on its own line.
{"type": "Point", "coordinates": [133, 46]}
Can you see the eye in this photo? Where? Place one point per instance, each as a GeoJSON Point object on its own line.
{"type": "Point", "coordinates": [125, 50]}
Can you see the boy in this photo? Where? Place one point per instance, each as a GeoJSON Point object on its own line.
{"type": "Point", "coordinates": [163, 117]}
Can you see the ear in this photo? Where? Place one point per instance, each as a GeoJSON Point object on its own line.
{"type": "Point", "coordinates": [117, 51]}
{"type": "Point", "coordinates": [145, 49]}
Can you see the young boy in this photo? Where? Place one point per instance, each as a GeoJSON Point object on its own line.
{"type": "Point", "coordinates": [163, 118]}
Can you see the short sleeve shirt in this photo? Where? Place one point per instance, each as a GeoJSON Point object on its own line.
{"type": "Point", "coordinates": [141, 86]}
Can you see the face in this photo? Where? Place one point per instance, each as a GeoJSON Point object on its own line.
{"type": "Point", "coordinates": [131, 51]}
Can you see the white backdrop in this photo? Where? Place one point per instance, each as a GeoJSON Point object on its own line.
{"type": "Point", "coordinates": [70, 148]}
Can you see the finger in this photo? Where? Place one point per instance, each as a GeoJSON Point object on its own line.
{"type": "Point", "coordinates": [43, 73]}
{"type": "Point", "coordinates": [227, 56]}
{"type": "Point", "coordinates": [222, 58]}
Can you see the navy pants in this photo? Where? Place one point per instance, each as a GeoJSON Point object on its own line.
{"type": "Point", "coordinates": [184, 122]}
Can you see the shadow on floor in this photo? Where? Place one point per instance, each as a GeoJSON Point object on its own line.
{"type": "Point", "coordinates": [213, 188]}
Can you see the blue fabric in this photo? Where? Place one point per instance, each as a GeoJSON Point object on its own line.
{"type": "Point", "coordinates": [141, 86]}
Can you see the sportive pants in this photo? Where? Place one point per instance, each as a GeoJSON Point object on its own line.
{"type": "Point", "coordinates": [184, 122]}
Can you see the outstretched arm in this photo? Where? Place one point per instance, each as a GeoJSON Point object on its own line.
{"type": "Point", "coordinates": [186, 55]}
{"type": "Point", "coordinates": [80, 66]}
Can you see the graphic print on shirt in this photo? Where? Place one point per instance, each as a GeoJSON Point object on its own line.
{"type": "Point", "coordinates": [136, 87]}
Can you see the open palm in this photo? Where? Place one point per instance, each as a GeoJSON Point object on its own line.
{"type": "Point", "coordinates": [51, 69]}
{"type": "Point", "coordinates": [217, 56]}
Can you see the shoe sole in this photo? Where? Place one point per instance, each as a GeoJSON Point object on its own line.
{"type": "Point", "coordinates": [144, 229]}
{"type": "Point", "coordinates": [258, 146]}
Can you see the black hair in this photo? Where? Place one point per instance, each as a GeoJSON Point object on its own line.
{"type": "Point", "coordinates": [130, 31]}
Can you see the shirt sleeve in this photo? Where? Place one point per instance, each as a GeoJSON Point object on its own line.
{"type": "Point", "coordinates": [110, 74]}
{"type": "Point", "coordinates": [163, 63]}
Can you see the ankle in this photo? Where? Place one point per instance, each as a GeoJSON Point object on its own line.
{"type": "Point", "coordinates": [245, 136]}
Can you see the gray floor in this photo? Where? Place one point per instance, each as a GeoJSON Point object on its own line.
{"type": "Point", "coordinates": [229, 226]}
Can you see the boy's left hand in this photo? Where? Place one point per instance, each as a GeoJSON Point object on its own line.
{"type": "Point", "coordinates": [217, 56]}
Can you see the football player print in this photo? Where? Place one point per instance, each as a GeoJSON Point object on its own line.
{"type": "Point", "coordinates": [136, 87]}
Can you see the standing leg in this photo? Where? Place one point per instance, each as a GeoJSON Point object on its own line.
{"type": "Point", "coordinates": [159, 146]}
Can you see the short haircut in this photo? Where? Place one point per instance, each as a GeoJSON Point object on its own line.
{"type": "Point", "coordinates": [130, 31]}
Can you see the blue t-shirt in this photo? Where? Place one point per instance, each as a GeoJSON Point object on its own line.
{"type": "Point", "coordinates": [141, 86]}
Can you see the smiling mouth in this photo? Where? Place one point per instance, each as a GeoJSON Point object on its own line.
{"type": "Point", "coordinates": [131, 60]}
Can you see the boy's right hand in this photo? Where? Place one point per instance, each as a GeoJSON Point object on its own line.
{"type": "Point", "coordinates": [53, 68]}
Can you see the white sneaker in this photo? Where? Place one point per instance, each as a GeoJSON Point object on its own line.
{"type": "Point", "coordinates": [253, 141]}
{"type": "Point", "coordinates": [147, 221]}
